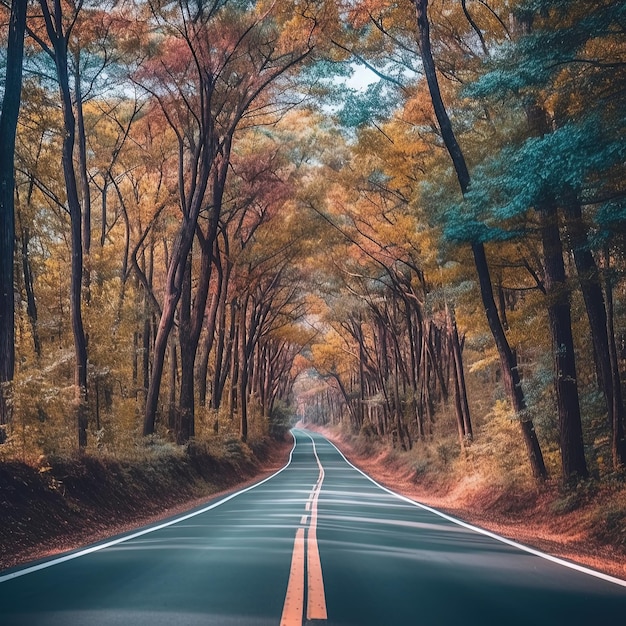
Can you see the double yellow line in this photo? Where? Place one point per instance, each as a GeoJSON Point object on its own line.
{"type": "Point", "coordinates": [293, 609]}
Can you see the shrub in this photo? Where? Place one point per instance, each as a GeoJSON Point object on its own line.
{"type": "Point", "coordinates": [281, 420]}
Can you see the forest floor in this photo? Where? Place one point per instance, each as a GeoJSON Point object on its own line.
{"type": "Point", "coordinates": [561, 524]}
{"type": "Point", "coordinates": [73, 502]}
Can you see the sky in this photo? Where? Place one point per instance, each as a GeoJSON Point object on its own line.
{"type": "Point", "coordinates": [361, 78]}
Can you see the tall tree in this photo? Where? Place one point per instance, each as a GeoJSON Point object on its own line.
{"type": "Point", "coordinates": [205, 100]}
{"type": "Point", "coordinates": [8, 126]}
{"type": "Point", "coordinates": [563, 166]}
{"type": "Point", "coordinates": [59, 25]}
{"type": "Point", "coordinates": [508, 358]}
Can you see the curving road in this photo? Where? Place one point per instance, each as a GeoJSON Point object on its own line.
{"type": "Point", "coordinates": [317, 543]}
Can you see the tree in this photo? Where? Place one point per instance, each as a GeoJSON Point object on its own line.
{"type": "Point", "coordinates": [58, 27]}
{"type": "Point", "coordinates": [206, 93]}
{"type": "Point", "coordinates": [570, 148]}
{"type": "Point", "coordinates": [508, 359]}
{"type": "Point", "coordinates": [8, 126]}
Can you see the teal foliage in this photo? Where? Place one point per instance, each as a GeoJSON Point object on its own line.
{"type": "Point", "coordinates": [322, 80]}
{"type": "Point", "coordinates": [505, 186]}
{"type": "Point", "coordinates": [556, 163]}
{"type": "Point", "coordinates": [612, 215]}
{"type": "Point", "coordinates": [511, 76]}
{"type": "Point", "coordinates": [324, 70]}
{"type": "Point", "coordinates": [601, 13]}
{"type": "Point", "coordinates": [362, 108]}
{"type": "Point", "coordinates": [281, 420]}
{"type": "Point", "coordinates": [575, 157]}
{"type": "Point", "coordinates": [463, 224]}
{"type": "Point", "coordinates": [459, 221]}
{"type": "Point", "coordinates": [533, 60]}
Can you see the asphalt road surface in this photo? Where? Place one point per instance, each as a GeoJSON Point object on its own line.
{"type": "Point", "coordinates": [316, 543]}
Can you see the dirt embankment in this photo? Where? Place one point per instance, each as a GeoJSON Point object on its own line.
{"type": "Point", "coordinates": [70, 503]}
{"type": "Point", "coordinates": [564, 526]}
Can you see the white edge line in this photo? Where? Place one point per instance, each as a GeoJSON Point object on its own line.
{"type": "Point", "coordinates": [108, 544]}
{"type": "Point", "coordinates": [488, 533]}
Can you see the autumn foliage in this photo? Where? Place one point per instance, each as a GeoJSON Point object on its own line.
{"type": "Point", "coordinates": [213, 231]}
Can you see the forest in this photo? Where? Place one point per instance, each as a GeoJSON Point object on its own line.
{"type": "Point", "coordinates": [405, 220]}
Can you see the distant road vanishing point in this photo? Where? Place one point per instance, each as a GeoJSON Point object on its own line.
{"type": "Point", "coordinates": [318, 542]}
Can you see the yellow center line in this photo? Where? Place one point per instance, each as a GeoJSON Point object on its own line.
{"type": "Point", "coordinates": [293, 609]}
{"type": "Point", "coordinates": [316, 598]}
{"type": "Point", "coordinates": [294, 600]}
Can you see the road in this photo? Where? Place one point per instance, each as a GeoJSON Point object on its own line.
{"type": "Point", "coordinates": [316, 543]}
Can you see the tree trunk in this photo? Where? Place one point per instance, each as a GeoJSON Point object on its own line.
{"type": "Point", "coordinates": [508, 360]}
{"type": "Point", "coordinates": [618, 439]}
{"type": "Point", "coordinates": [268, 396]}
{"type": "Point", "coordinates": [145, 348]}
{"type": "Point", "coordinates": [80, 341]}
{"type": "Point", "coordinates": [502, 306]}
{"type": "Point", "coordinates": [174, 282]}
{"type": "Point", "coordinates": [221, 363]}
{"type": "Point", "coordinates": [202, 368]}
{"type": "Point", "coordinates": [59, 40]}
{"type": "Point", "coordinates": [172, 375]}
{"type": "Point", "coordinates": [83, 178]}
{"type": "Point", "coordinates": [243, 374]}
{"type": "Point", "coordinates": [559, 315]}
{"type": "Point", "coordinates": [459, 378]}
{"type": "Point", "coordinates": [362, 357]}
{"type": "Point", "coordinates": [173, 289]}
{"type": "Point", "coordinates": [185, 413]}
{"type": "Point", "coordinates": [103, 210]}
{"type": "Point", "coordinates": [234, 359]}
{"type": "Point", "coordinates": [209, 341]}
{"type": "Point", "coordinates": [31, 302]}
{"type": "Point", "coordinates": [191, 330]}
{"type": "Point", "coordinates": [8, 127]}
{"type": "Point", "coordinates": [158, 355]}
{"type": "Point", "coordinates": [413, 367]}
{"type": "Point", "coordinates": [601, 327]}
